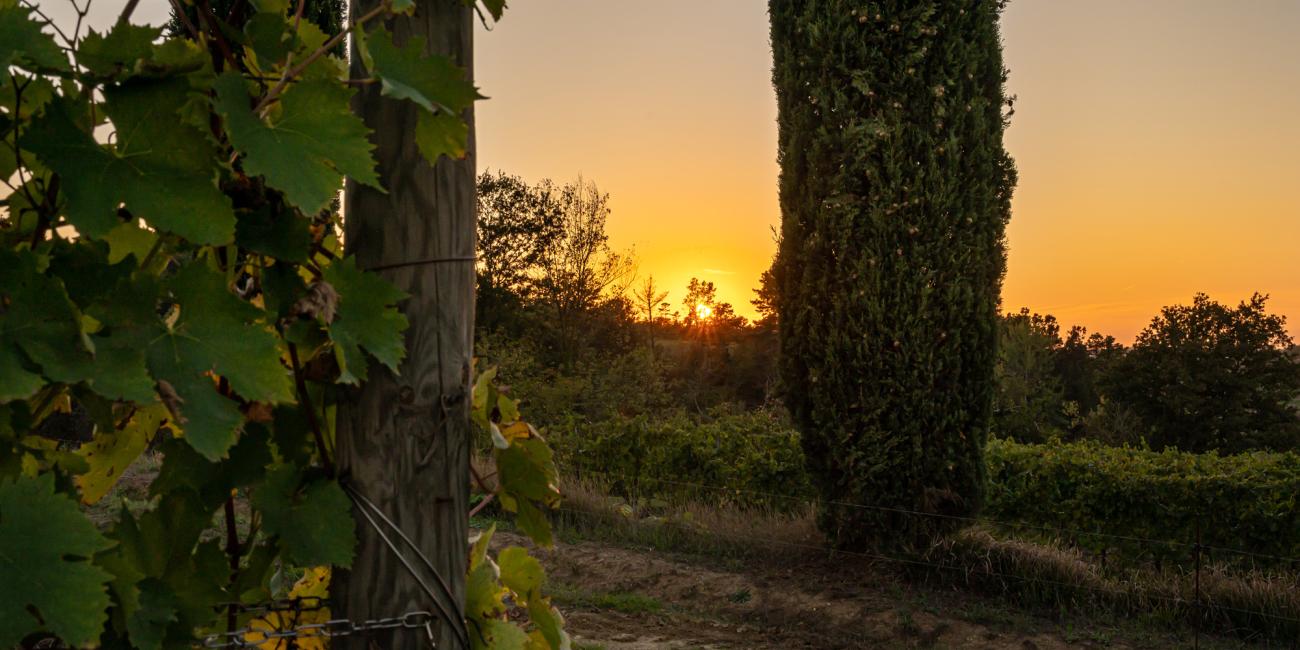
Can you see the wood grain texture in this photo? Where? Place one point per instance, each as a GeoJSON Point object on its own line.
{"type": "Point", "coordinates": [403, 441]}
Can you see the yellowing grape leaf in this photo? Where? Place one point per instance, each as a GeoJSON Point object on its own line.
{"type": "Point", "coordinates": [312, 586]}
{"type": "Point", "coordinates": [111, 452]}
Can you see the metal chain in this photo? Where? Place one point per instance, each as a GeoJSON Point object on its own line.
{"type": "Point", "coordinates": [251, 638]}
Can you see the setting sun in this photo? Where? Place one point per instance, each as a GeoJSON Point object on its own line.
{"type": "Point", "coordinates": [703, 311]}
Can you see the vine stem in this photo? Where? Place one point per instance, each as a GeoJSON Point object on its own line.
{"type": "Point", "coordinates": [206, 16]}
{"type": "Point", "coordinates": [179, 12]}
{"type": "Point", "coordinates": [232, 549]}
{"type": "Point", "coordinates": [304, 400]}
{"type": "Point", "coordinates": [127, 11]}
{"type": "Point", "coordinates": [292, 73]}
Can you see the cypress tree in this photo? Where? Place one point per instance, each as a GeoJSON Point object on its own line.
{"type": "Point", "coordinates": [895, 192]}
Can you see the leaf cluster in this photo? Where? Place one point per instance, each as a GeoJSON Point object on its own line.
{"type": "Point", "coordinates": [170, 262]}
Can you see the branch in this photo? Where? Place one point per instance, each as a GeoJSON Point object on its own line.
{"type": "Point", "coordinates": [127, 11]}
{"type": "Point", "coordinates": [304, 400]}
{"type": "Point", "coordinates": [185, 20]}
{"type": "Point", "coordinates": [206, 15]}
{"type": "Point", "coordinates": [292, 73]}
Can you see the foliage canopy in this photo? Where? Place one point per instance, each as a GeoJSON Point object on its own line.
{"type": "Point", "coordinates": [170, 263]}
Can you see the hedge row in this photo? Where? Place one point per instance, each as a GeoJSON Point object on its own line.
{"type": "Point", "coordinates": [1245, 501]}
{"type": "Point", "coordinates": [1102, 499]}
{"type": "Point", "coordinates": [754, 458]}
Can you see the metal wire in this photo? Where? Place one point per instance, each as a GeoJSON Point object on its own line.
{"type": "Point", "coordinates": [457, 623]}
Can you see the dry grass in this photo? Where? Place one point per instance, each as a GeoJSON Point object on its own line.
{"type": "Point", "coordinates": [1054, 577]}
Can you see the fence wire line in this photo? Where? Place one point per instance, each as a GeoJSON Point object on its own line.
{"type": "Point", "coordinates": [981, 520]}
{"type": "Point", "coordinates": [1133, 595]}
{"type": "Point", "coordinates": [456, 622]}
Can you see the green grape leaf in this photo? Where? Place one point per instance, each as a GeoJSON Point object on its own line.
{"type": "Point", "coordinates": [147, 625]}
{"type": "Point", "coordinates": [527, 469]}
{"type": "Point", "coordinates": [160, 540]}
{"type": "Point", "coordinates": [366, 319]}
{"type": "Point", "coordinates": [40, 320]}
{"type": "Point", "coordinates": [129, 239]}
{"type": "Point", "coordinates": [16, 381]}
{"type": "Point", "coordinates": [160, 167]}
{"type": "Point", "coordinates": [499, 634]}
{"type": "Point", "coordinates": [495, 7]}
{"type": "Point", "coordinates": [48, 571]}
{"type": "Point", "coordinates": [271, 6]}
{"type": "Point", "coordinates": [313, 519]}
{"type": "Point", "coordinates": [533, 523]}
{"type": "Point", "coordinates": [548, 622]}
{"type": "Point", "coordinates": [521, 572]}
{"type": "Point", "coordinates": [484, 596]}
{"type": "Point", "coordinates": [441, 134]}
{"type": "Point", "coordinates": [402, 6]}
{"type": "Point", "coordinates": [433, 82]}
{"type": "Point", "coordinates": [118, 50]}
{"type": "Point", "coordinates": [216, 332]}
{"type": "Point", "coordinates": [281, 234]}
{"type": "Point", "coordinates": [111, 452]}
{"type": "Point", "coordinates": [313, 141]}
{"type": "Point", "coordinates": [23, 43]}
{"type": "Point", "coordinates": [119, 370]}
{"type": "Point", "coordinates": [268, 38]}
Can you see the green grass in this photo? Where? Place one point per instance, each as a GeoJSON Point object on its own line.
{"type": "Point", "coordinates": [626, 602]}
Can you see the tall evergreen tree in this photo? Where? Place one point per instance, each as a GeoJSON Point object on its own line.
{"type": "Point", "coordinates": [895, 192]}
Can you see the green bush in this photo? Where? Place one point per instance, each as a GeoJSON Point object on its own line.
{"type": "Point", "coordinates": [1099, 498]}
{"type": "Point", "coordinates": [1246, 501]}
{"type": "Point", "coordinates": [747, 459]}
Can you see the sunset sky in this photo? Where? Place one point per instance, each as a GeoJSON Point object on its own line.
{"type": "Point", "coordinates": [1158, 142]}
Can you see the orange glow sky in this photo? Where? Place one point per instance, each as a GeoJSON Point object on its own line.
{"type": "Point", "coordinates": [1158, 143]}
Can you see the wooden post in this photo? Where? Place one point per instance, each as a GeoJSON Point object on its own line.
{"type": "Point", "coordinates": [403, 441]}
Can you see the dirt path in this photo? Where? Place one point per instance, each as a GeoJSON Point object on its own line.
{"type": "Point", "coordinates": [620, 598]}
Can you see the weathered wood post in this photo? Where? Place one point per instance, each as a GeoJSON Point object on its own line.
{"type": "Point", "coordinates": [403, 441]}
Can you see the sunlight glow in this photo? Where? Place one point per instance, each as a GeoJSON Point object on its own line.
{"type": "Point", "coordinates": [703, 311]}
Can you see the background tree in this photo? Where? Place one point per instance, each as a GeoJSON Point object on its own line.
{"type": "Point", "coordinates": [1029, 405]}
{"type": "Point", "coordinates": [517, 224]}
{"type": "Point", "coordinates": [578, 269]}
{"type": "Point", "coordinates": [1081, 360]}
{"type": "Point", "coordinates": [1208, 376]}
{"type": "Point", "coordinates": [699, 303]}
{"type": "Point", "coordinates": [650, 302]}
{"type": "Point", "coordinates": [895, 192]}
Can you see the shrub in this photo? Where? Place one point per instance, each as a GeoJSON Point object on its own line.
{"type": "Point", "coordinates": [746, 459]}
{"type": "Point", "coordinates": [1247, 501]}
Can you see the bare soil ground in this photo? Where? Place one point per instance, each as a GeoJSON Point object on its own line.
{"type": "Point", "coordinates": [627, 598]}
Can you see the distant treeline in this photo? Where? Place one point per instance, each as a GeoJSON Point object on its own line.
{"type": "Point", "coordinates": [587, 338]}
{"type": "Point", "coordinates": [1200, 377]}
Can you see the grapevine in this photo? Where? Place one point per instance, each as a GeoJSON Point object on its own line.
{"type": "Point", "coordinates": [170, 263]}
